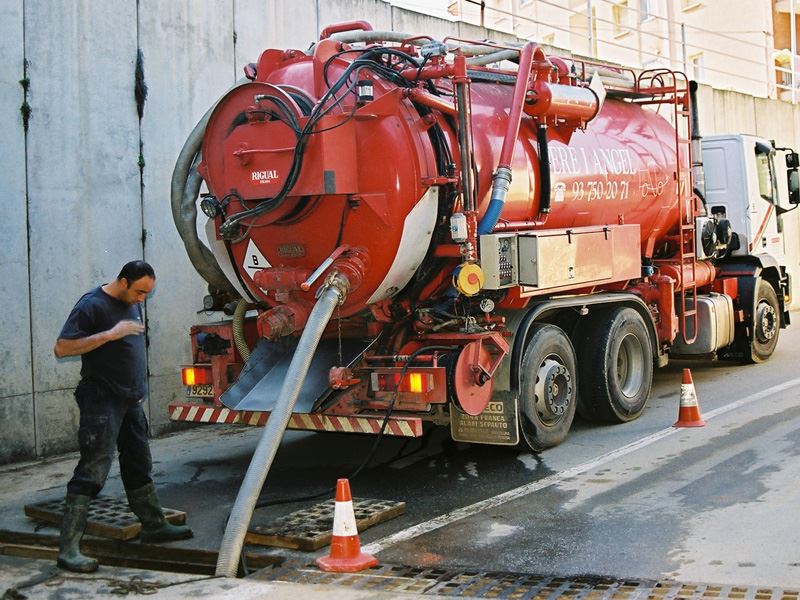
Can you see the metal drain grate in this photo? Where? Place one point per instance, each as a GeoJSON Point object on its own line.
{"type": "Point", "coordinates": [311, 528]}
{"type": "Point", "coordinates": [517, 586]}
{"type": "Point", "coordinates": [108, 517]}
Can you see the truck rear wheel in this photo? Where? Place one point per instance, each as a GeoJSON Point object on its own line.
{"type": "Point", "coordinates": [766, 324]}
{"type": "Point", "coordinates": [548, 387]}
{"type": "Point", "coordinates": [616, 366]}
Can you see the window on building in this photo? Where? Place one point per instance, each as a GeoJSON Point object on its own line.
{"type": "Point", "coordinates": [698, 64]}
{"type": "Point", "coordinates": [644, 10]}
{"type": "Point", "coordinates": [523, 3]}
{"type": "Point", "coordinates": [549, 39]}
{"type": "Point", "coordinates": [620, 16]}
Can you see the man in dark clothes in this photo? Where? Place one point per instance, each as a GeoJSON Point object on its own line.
{"type": "Point", "coordinates": [105, 328]}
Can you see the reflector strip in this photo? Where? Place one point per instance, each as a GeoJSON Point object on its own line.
{"type": "Point", "coordinates": [397, 426]}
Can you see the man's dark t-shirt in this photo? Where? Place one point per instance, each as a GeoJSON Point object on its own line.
{"type": "Point", "coordinates": [120, 364]}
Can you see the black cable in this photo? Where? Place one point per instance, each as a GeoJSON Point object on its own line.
{"type": "Point", "coordinates": [378, 439]}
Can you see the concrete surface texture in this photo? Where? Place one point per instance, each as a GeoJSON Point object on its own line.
{"type": "Point", "coordinates": [86, 186]}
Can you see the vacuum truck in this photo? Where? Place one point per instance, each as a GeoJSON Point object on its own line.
{"type": "Point", "coordinates": [509, 238]}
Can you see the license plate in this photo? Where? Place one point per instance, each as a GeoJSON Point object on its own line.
{"type": "Point", "coordinates": [203, 390]}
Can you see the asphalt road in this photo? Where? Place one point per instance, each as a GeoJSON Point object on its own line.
{"type": "Point", "coordinates": [717, 504]}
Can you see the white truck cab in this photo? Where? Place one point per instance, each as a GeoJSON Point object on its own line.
{"type": "Point", "coordinates": [744, 186]}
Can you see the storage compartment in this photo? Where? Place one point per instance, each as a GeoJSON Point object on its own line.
{"type": "Point", "coordinates": [569, 257]}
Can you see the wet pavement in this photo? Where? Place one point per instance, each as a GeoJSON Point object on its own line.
{"type": "Point", "coordinates": [716, 504]}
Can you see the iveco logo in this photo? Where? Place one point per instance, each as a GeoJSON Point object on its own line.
{"type": "Point", "coordinates": [263, 176]}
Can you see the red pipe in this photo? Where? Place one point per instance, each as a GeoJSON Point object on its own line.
{"type": "Point", "coordinates": [526, 57]}
{"type": "Point", "coordinates": [346, 26]}
{"type": "Point", "coordinates": [420, 97]}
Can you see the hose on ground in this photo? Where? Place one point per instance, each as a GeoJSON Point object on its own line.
{"type": "Point", "coordinates": [238, 329]}
{"type": "Point", "coordinates": [333, 293]}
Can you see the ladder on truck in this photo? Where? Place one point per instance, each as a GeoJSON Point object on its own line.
{"type": "Point", "coordinates": [671, 88]}
{"type": "Point", "coordinates": [664, 87]}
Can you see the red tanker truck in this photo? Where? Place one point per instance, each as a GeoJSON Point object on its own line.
{"type": "Point", "coordinates": [500, 239]}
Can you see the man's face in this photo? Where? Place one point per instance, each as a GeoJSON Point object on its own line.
{"type": "Point", "coordinates": [137, 290]}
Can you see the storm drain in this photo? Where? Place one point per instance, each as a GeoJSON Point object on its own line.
{"type": "Point", "coordinates": [516, 586]}
{"type": "Point", "coordinates": [108, 517]}
{"type": "Point", "coordinates": [311, 528]}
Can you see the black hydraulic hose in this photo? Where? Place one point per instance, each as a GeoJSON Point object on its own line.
{"type": "Point", "coordinates": [544, 169]}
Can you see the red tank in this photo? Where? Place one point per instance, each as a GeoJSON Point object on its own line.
{"type": "Point", "coordinates": [371, 174]}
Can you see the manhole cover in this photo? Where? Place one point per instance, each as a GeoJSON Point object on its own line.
{"type": "Point", "coordinates": [108, 517]}
{"type": "Point", "coordinates": [311, 528]}
{"type": "Point", "coordinates": [519, 586]}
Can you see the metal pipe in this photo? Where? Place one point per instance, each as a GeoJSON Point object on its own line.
{"type": "Point", "coordinates": [463, 105]}
{"type": "Point", "coordinates": [417, 96]}
{"type": "Point", "coordinates": [333, 293]}
{"type": "Point", "coordinates": [697, 147]}
{"type": "Point", "coordinates": [501, 182]}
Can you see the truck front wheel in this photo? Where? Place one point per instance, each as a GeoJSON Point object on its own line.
{"type": "Point", "coordinates": [766, 324]}
{"type": "Point", "coordinates": [548, 387]}
{"type": "Point", "coordinates": [616, 366]}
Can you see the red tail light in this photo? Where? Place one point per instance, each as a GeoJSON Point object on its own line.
{"type": "Point", "coordinates": [417, 383]}
{"type": "Point", "coordinates": [196, 375]}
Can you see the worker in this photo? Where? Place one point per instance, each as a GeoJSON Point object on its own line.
{"type": "Point", "coordinates": [106, 329]}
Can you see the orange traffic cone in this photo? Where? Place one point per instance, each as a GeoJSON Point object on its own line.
{"type": "Point", "coordinates": [689, 413]}
{"type": "Point", "coordinates": [346, 555]}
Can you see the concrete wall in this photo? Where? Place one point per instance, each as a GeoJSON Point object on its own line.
{"type": "Point", "coordinates": [86, 188]}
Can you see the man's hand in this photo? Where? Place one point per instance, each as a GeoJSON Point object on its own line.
{"type": "Point", "coordinates": [79, 346]}
{"type": "Point", "coordinates": [124, 329]}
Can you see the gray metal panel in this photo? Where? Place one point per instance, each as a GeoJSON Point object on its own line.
{"type": "Point", "coordinates": [415, 23]}
{"type": "Point", "coordinates": [188, 65]}
{"type": "Point", "coordinates": [375, 12]}
{"type": "Point", "coordinates": [56, 422]}
{"type": "Point", "coordinates": [261, 380]}
{"type": "Point", "coordinates": [292, 24]}
{"type": "Point", "coordinates": [252, 23]}
{"type": "Point", "coordinates": [83, 148]}
{"type": "Point", "coordinates": [17, 441]}
{"type": "Point", "coordinates": [15, 317]}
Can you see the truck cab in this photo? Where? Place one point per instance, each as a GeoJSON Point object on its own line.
{"type": "Point", "coordinates": [744, 185]}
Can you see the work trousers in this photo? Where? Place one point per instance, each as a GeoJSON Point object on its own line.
{"type": "Point", "coordinates": [109, 422]}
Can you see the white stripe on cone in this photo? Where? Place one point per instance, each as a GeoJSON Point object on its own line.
{"type": "Point", "coordinates": [344, 519]}
{"type": "Point", "coordinates": [688, 395]}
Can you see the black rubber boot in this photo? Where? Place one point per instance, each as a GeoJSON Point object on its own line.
{"type": "Point", "coordinates": [76, 508]}
{"type": "Point", "coordinates": [155, 527]}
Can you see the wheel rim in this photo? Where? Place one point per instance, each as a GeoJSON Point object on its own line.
{"type": "Point", "coordinates": [553, 390]}
{"type": "Point", "coordinates": [630, 366]}
{"type": "Point", "coordinates": [766, 322]}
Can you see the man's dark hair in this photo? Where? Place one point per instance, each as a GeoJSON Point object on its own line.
{"type": "Point", "coordinates": [136, 269]}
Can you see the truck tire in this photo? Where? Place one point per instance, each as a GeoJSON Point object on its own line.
{"type": "Point", "coordinates": [548, 387]}
{"type": "Point", "coordinates": [616, 366]}
{"type": "Point", "coordinates": [766, 324]}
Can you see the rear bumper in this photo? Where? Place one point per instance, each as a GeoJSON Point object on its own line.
{"type": "Point", "coordinates": [199, 413]}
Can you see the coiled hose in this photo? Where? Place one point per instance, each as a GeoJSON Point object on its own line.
{"type": "Point", "coordinates": [333, 293]}
{"type": "Point", "coordinates": [238, 329]}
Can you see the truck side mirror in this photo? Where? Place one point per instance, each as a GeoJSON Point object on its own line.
{"type": "Point", "coordinates": [793, 183]}
{"type": "Point", "coordinates": [792, 160]}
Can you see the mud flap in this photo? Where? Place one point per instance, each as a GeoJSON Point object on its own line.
{"type": "Point", "coordinates": [261, 379]}
{"type": "Point", "coordinates": [498, 424]}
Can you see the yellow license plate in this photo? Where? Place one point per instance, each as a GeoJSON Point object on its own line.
{"type": "Point", "coordinates": [203, 390]}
